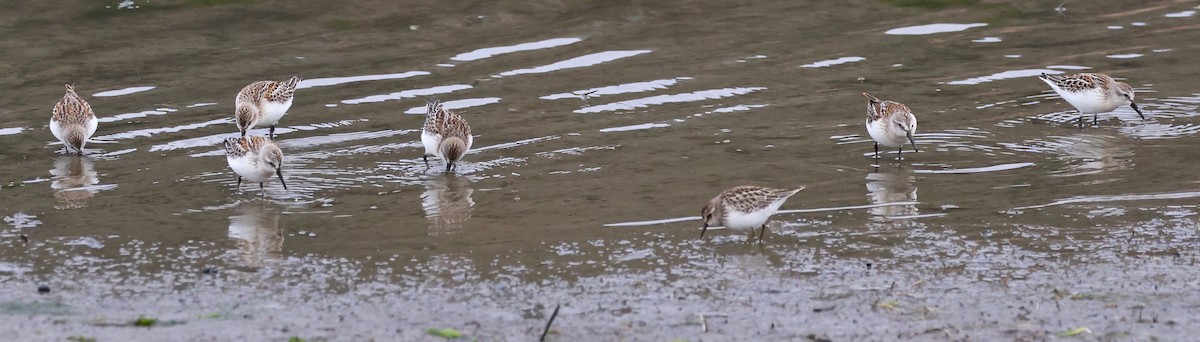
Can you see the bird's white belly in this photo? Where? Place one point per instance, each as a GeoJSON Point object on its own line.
{"type": "Point", "coordinates": [430, 141]}
{"type": "Point", "coordinates": [272, 112]}
{"type": "Point", "coordinates": [884, 136]}
{"type": "Point", "coordinates": [739, 220]}
{"type": "Point", "coordinates": [92, 123]}
{"type": "Point", "coordinates": [56, 129]}
{"type": "Point", "coordinates": [253, 172]}
{"type": "Point", "coordinates": [1088, 101]}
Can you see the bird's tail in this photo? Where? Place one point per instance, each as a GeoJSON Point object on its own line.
{"type": "Point", "coordinates": [871, 97]}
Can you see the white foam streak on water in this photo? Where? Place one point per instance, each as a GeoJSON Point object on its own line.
{"type": "Point", "coordinates": [578, 62]}
{"type": "Point", "coordinates": [1004, 75]}
{"type": "Point", "coordinates": [634, 127]}
{"type": "Point", "coordinates": [831, 62]}
{"type": "Point", "coordinates": [654, 222]}
{"type": "Point", "coordinates": [329, 81]}
{"type": "Point", "coordinates": [141, 114]}
{"type": "Point", "coordinates": [932, 28]}
{"type": "Point", "coordinates": [1125, 56]}
{"type": "Point", "coordinates": [214, 140]}
{"type": "Point", "coordinates": [1068, 67]}
{"type": "Point", "coordinates": [120, 92]}
{"type": "Point", "coordinates": [500, 50]}
{"type": "Point", "coordinates": [338, 138]}
{"type": "Point", "coordinates": [515, 143]}
{"type": "Point", "coordinates": [992, 168]}
{"type": "Point", "coordinates": [672, 98]}
{"type": "Point", "coordinates": [636, 87]}
{"type": "Point", "coordinates": [11, 130]}
{"type": "Point", "coordinates": [1115, 198]}
{"type": "Point", "coordinates": [457, 104]}
{"type": "Point", "coordinates": [1183, 14]}
{"type": "Point", "coordinates": [737, 108]}
{"type": "Point", "coordinates": [409, 94]}
{"type": "Point", "coordinates": [202, 104]}
{"type": "Point", "coordinates": [987, 40]}
{"type": "Point", "coordinates": [152, 131]}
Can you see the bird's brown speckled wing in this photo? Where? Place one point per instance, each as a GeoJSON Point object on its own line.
{"type": "Point", "coordinates": [1078, 82]}
{"type": "Point", "coordinates": [72, 109]}
{"type": "Point", "coordinates": [748, 198]}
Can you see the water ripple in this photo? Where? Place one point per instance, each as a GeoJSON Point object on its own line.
{"type": "Point", "coordinates": [409, 94]}
{"type": "Point", "coordinates": [578, 62]}
{"type": "Point", "coordinates": [329, 81]}
{"type": "Point", "coordinates": [636, 87]}
{"type": "Point", "coordinates": [710, 94]}
{"type": "Point", "coordinates": [500, 50]}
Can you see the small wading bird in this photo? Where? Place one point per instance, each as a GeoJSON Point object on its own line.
{"type": "Point", "coordinates": [73, 121]}
{"type": "Point", "coordinates": [744, 207]}
{"type": "Point", "coordinates": [263, 103]}
{"type": "Point", "coordinates": [1092, 94]}
{"type": "Point", "coordinates": [255, 158]}
{"type": "Point", "coordinates": [445, 135]}
{"type": "Point", "coordinates": [890, 123]}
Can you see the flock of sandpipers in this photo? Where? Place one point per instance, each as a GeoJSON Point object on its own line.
{"type": "Point", "coordinates": [447, 136]}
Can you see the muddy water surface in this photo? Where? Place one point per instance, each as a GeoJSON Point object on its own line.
{"type": "Point", "coordinates": [1009, 224]}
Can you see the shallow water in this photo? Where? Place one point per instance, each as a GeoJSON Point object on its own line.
{"type": "Point", "coordinates": [601, 129]}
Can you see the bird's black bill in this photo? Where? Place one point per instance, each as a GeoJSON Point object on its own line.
{"type": "Point", "coordinates": [279, 172]}
{"type": "Point", "coordinates": [702, 230]}
{"type": "Point", "coordinates": [1138, 110]}
{"type": "Point", "coordinates": [914, 142]}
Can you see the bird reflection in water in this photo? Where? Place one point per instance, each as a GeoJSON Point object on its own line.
{"type": "Point", "coordinates": [255, 229]}
{"type": "Point", "coordinates": [1087, 154]}
{"type": "Point", "coordinates": [74, 181]}
{"type": "Point", "coordinates": [891, 186]}
{"type": "Point", "coordinates": [447, 203]}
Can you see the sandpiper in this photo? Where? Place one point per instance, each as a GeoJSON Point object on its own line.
{"type": "Point", "coordinates": [890, 123]}
{"type": "Point", "coordinates": [255, 158]}
{"type": "Point", "coordinates": [73, 121]}
{"type": "Point", "coordinates": [744, 207]}
{"type": "Point", "coordinates": [445, 135]}
{"type": "Point", "coordinates": [263, 103]}
{"type": "Point", "coordinates": [1092, 93]}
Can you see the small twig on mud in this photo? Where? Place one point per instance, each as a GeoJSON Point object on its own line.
{"type": "Point", "coordinates": [548, 323]}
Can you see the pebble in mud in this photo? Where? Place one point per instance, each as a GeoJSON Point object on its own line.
{"type": "Point", "coordinates": [210, 270]}
{"type": "Point", "coordinates": [43, 289]}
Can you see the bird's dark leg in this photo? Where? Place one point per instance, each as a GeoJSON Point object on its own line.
{"type": "Point", "coordinates": [239, 188]}
{"type": "Point", "coordinates": [449, 166]}
{"type": "Point", "coordinates": [272, 132]}
{"type": "Point", "coordinates": [262, 190]}
{"type": "Point", "coordinates": [1096, 119]}
{"type": "Point", "coordinates": [761, 233]}
{"type": "Point", "coordinates": [900, 153]}
{"type": "Point", "coordinates": [876, 150]}
{"type": "Point", "coordinates": [1081, 120]}
{"type": "Point", "coordinates": [425, 157]}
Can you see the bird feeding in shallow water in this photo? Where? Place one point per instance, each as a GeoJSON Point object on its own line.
{"type": "Point", "coordinates": [744, 207]}
{"type": "Point", "coordinates": [263, 103]}
{"type": "Point", "coordinates": [72, 121]}
{"type": "Point", "coordinates": [890, 123]}
{"type": "Point", "coordinates": [254, 158]}
{"type": "Point", "coordinates": [445, 135]}
{"type": "Point", "coordinates": [1092, 93]}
